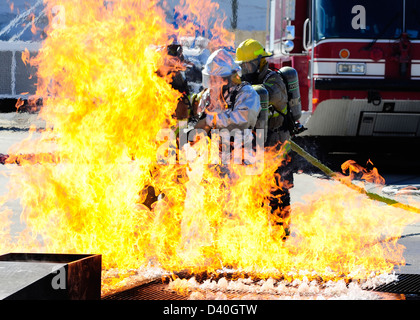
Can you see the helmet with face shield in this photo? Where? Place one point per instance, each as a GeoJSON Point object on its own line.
{"type": "Point", "coordinates": [249, 54]}
{"type": "Point", "coordinates": [220, 65]}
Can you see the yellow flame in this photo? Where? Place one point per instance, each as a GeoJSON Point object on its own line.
{"type": "Point", "coordinates": [105, 104]}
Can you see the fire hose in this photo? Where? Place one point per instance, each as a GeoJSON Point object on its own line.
{"type": "Point", "coordinates": [337, 176]}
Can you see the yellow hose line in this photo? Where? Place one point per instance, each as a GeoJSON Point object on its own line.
{"type": "Point", "coordinates": [374, 196]}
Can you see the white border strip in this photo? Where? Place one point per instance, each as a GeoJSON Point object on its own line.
{"type": "Point", "coordinates": [348, 60]}
{"type": "Point", "coordinates": [343, 40]}
{"type": "Point", "coordinates": [330, 68]}
{"type": "Point", "coordinates": [328, 76]}
{"type": "Point", "coordinates": [415, 70]}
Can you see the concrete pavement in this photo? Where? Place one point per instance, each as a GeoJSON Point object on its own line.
{"type": "Point", "coordinates": [305, 184]}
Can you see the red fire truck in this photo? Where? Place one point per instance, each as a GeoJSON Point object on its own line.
{"type": "Point", "coordinates": [358, 63]}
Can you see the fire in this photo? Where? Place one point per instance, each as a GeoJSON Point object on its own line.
{"type": "Point", "coordinates": [105, 106]}
{"type": "Point", "coordinates": [355, 169]}
{"type": "Point", "coordinates": [343, 232]}
{"type": "Point", "coordinates": [97, 73]}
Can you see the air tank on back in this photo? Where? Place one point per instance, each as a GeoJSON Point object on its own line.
{"type": "Point", "coordinates": [290, 77]}
{"type": "Point", "coordinates": [262, 120]}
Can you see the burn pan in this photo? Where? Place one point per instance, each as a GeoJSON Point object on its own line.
{"type": "Point", "coordinates": [46, 276]}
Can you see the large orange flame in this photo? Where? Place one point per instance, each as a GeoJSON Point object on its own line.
{"type": "Point", "coordinates": [105, 106]}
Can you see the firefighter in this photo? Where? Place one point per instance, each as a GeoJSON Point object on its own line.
{"type": "Point", "coordinates": [179, 83]}
{"type": "Point", "coordinates": [227, 102]}
{"type": "Point", "coordinates": [251, 56]}
{"type": "Point", "coordinates": [174, 66]}
{"type": "Point", "coordinates": [172, 69]}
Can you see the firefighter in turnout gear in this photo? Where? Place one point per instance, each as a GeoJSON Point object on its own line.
{"type": "Point", "coordinates": [251, 56]}
{"type": "Point", "coordinates": [226, 102]}
{"type": "Point", "coordinates": [174, 64]}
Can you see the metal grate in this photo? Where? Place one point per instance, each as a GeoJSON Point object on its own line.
{"type": "Point", "coordinates": [154, 290]}
{"type": "Point", "coordinates": [158, 290]}
{"type": "Point", "coordinates": [406, 284]}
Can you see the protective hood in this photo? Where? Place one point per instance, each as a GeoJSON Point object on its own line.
{"type": "Point", "coordinates": [220, 63]}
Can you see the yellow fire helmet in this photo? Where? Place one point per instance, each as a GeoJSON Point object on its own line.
{"type": "Point", "coordinates": [250, 50]}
